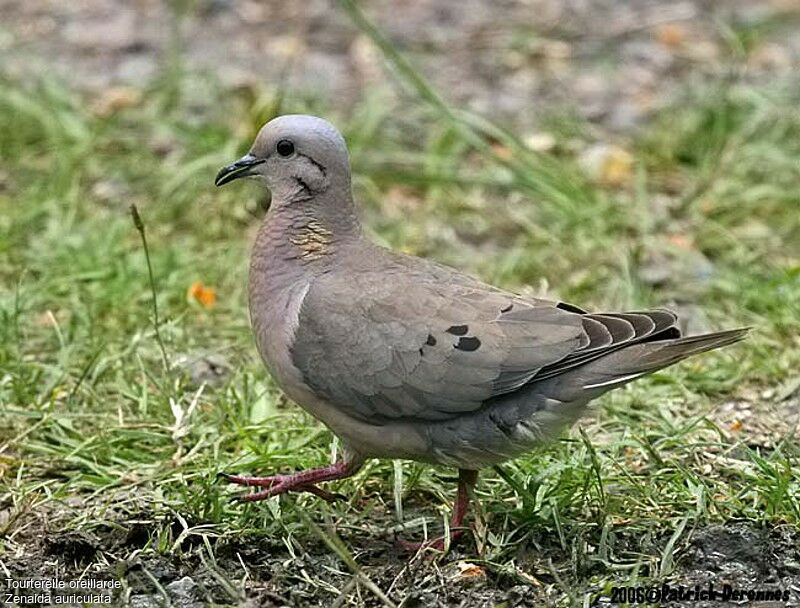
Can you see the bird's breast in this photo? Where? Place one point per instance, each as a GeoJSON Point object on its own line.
{"type": "Point", "coordinates": [274, 314]}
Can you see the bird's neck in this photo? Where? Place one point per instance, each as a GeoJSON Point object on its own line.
{"type": "Point", "coordinates": [299, 239]}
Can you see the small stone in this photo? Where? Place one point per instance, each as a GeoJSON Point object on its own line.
{"type": "Point", "coordinates": [117, 33]}
{"type": "Point", "coordinates": [210, 368]}
{"type": "Point", "coordinates": [110, 191]}
{"type": "Point", "coordinates": [75, 502]}
{"type": "Point", "coordinates": [770, 56]}
{"type": "Point", "coordinates": [150, 600]}
{"type": "Point", "coordinates": [182, 588]}
{"type": "Point", "coordinates": [540, 142]}
{"type": "Point", "coordinates": [367, 59]}
{"type": "Point", "coordinates": [608, 164]}
{"type": "Point", "coordinates": [678, 266]}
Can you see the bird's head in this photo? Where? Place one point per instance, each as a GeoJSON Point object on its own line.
{"type": "Point", "coordinates": [297, 156]}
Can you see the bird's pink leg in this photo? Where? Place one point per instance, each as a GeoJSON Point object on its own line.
{"type": "Point", "coordinates": [268, 482]}
{"type": "Point", "coordinates": [466, 482]}
{"type": "Point", "coordinates": [302, 481]}
{"type": "Point", "coordinates": [244, 480]}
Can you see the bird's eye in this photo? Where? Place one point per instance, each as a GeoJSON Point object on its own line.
{"type": "Point", "coordinates": [285, 147]}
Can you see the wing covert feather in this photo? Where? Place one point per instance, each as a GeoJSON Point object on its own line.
{"type": "Point", "coordinates": [427, 350]}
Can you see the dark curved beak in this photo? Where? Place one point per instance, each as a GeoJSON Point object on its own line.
{"type": "Point", "coordinates": [241, 168]}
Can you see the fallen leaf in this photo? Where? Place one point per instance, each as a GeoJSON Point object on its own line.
{"type": "Point", "coordinates": [470, 570]}
{"type": "Point", "coordinates": [205, 296]}
{"type": "Point", "coordinates": [680, 240]}
{"type": "Point", "coordinates": [503, 152]}
{"type": "Point", "coordinates": [114, 99]}
{"type": "Point", "coordinates": [736, 425]}
{"type": "Point", "coordinates": [671, 35]}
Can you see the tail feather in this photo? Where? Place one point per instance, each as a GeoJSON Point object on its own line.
{"type": "Point", "coordinates": [626, 364]}
{"type": "Point", "coordinates": [663, 353]}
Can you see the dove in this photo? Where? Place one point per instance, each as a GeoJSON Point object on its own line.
{"type": "Point", "coordinates": [404, 358]}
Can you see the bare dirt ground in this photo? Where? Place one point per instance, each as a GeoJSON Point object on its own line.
{"type": "Point", "coordinates": [735, 554]}
{"type": "Point", "coordinates": [611, 62]}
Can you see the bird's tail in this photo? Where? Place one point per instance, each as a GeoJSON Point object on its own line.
{"type": "Point", "coordinates": [626, 364]}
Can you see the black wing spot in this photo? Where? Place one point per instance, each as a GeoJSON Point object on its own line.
{"type": "Point", "coordinates": [507, 308]}
{"type": "Point", "coordinates": [670, 333]}
{"type": "Point", "coordinates": [458, 330]}
{"type": "Point", "coordinates": [431, 341]}
{"type": "Point", "coordinates": [469, 343]}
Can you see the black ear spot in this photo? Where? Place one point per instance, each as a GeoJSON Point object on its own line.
{"type": "Point", "coordinates": [431, 341]}
{"type": "Point", "coordinates": [469, 343]}
{"type": "Point", "coordinates": [303, 185]}
{"type": "Point", "coordinates": [458, 330]}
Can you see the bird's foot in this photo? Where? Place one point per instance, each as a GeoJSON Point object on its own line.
{"type": "Point", "coordinates": [285, 488]}
{"type": "Point", "coordinates": [277, 484]}
{"type": "Point", "coordinates": [243, 480]}
{"type": "Point", "coordinates": [303, 481]}
{"type": "Point", "coordinates": [466, 481]}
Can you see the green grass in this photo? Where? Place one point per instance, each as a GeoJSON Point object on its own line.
{"type": "Point", "coordinates": [89, 410]}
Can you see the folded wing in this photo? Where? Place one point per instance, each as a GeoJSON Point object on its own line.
{"type": "Point", "coordinates": [438, 349]}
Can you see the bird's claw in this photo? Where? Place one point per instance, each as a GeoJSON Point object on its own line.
{"type": "Point", "coordinates": [264, 482]}
{"type": "Point", "coordinates": [275, 484]}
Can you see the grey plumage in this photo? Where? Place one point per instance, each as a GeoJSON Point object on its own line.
{"type": "Point", "coordinates": [404, 358]}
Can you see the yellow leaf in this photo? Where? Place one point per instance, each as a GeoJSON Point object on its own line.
{"type": "Point", "coordinates": [470, 570]}
{"type": "Point", "coordinates": [617, 168]}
